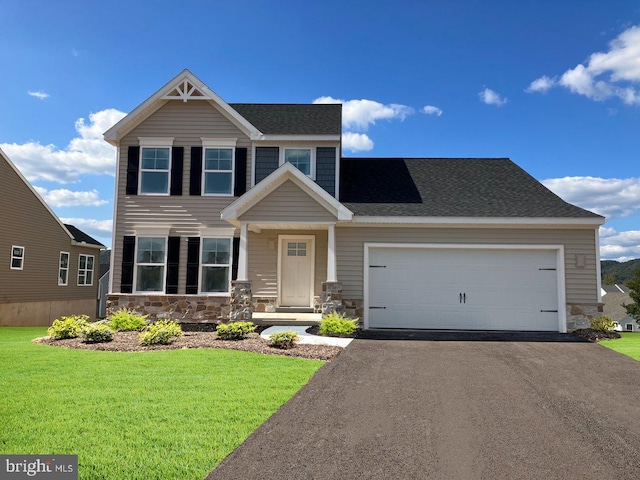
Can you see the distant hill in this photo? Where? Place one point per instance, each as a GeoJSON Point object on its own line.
{"type": "Point", "coordinates": [620, 271]}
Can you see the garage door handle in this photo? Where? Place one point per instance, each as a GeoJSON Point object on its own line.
{"type": "Point", "coordinates": [383, 308]}
{"type": "Point", "coordinates": [464, 298]}
{"type": "Point", "coordinates": [549, 311]}
{"type": "Point", "coordinates": [460, 298]}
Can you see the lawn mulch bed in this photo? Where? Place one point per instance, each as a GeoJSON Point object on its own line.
{"type": "Point", "coordinates": [129, 342]}
{"type": "Point", "coordinates": [595, 336]}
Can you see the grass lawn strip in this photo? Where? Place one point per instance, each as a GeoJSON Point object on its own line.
{"type": "Point", "coordinates": [145, 415]}
{"type": "Point", "coordinates": [628, 345]}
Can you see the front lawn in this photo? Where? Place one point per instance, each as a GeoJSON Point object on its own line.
{"type": "Point", "coordinates": [146, 415]}
{"type": "Point", "coordinates": [628, 345]}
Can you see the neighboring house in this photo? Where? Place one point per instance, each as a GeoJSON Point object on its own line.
{"type": "Point", "coordinates": [614, 297]}
{"type": "Point", "coordinates": [103, 283]}
{"type": "Point", "coordinates": [49, 269]}
{"type": "Point", "coordinates": [223, 209]}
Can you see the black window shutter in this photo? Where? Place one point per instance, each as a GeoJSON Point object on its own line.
{"type": "Point", "coordinates": [240, 186]}
{"type": "Point", "coordinates": [177, 155]}
{"type": "Point", "coordinates": [133, 166]}
{"type": "Point", "coordinates": [173, 260]}
{"type": "Point", "coordinates": [128, 258]}
{"type": "Point", "coordinates": [193, 264]}
{"type": "Point", "coordinates": [195, 175]}
{"type": "Point", "coordinates": [236, 255]}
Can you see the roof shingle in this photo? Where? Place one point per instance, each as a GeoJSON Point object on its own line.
{"type": "Point", "coordinates": [292, 119]}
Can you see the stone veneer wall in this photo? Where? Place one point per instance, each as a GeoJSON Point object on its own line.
{"type": "Point", "coordinates": [579, 315]}
{"type": "Point", "coordinates": [183, 308]}
{"type": "Point", "coordinates": [354, 308]}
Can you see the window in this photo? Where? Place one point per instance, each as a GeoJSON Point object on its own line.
{"type": "Point", "coordinates": [215, 265]}
{"type": "Point", "coordinates": [300, 158]}
{"type": "Point", "coordinates": [85, 270]}
{"type": "Point", "coordinates": [150, 264]}
{"type": "Point", "coordinates": [629, 327]}
{"type": "Point", "coordinates": [17, 257]}
{"type": "Point", "coordinates": [155, 164]}
{"type": "Point", "coordinates": [218, 171]}
{"type": "Point", "coordinates": [63, 270]}
{"type": "Point", "coordinates": [295, 249]}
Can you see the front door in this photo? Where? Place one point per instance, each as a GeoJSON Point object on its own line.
{"type": "Point", "coordinates": [296, 270]}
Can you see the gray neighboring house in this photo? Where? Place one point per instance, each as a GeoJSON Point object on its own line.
{"type": "Point", "coordinates": [48, 269]}
{"type": "Point", "coordinates": [613, 297]}
{"type": "Point", "coordinates": [225, 209]}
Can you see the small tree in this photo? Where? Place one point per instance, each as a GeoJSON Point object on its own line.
{"type": "Point", "coordinates": [633, 309]}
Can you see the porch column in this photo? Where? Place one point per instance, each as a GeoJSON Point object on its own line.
{"type": "Point", "coordinates": [331, 254]}
{"type": "Point", "coordinates": [243, 265]}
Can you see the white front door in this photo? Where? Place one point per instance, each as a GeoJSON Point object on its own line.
{"type": "Point", "coordinates": [296, 270]}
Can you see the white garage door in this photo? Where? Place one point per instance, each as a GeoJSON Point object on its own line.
{"type": "Point", "coordinates": [475, 289]}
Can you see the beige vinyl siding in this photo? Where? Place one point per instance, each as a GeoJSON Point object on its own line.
{"type": "Point", "coordinates": [185, 214]}
{"type": "Point", "coordinates": [581, 283]}
{"type": "Point", "coordinates": [263, 260]}
{"type": "Point", "coordinates": [288, 203]}
{"type": "Point", "coordinates": [26, 222]}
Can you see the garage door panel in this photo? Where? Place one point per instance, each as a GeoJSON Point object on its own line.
{"type": "Point", "coordinates": [463, 289]}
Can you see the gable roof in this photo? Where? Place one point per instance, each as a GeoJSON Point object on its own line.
{"type": "Point", "coordinates": [293, 119]}
{"type": "Point", "coordinates": [81, 237]}
{"type": "Point", "coordinates": [449, 187]}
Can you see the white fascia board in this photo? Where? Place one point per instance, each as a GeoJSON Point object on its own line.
{"type": "Point", "coordinates": [272, 182]}
{"type": "Point", "coordinates": [115, 133]}
{"type": "Point", "coordinates": [296, 138]}
{"type": "Point", "coordinates": [480, 221]}
{"type": "Point", "coordinates": [87, 245]}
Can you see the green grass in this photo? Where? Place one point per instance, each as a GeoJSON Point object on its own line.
{"type": "Point", "coordinates": [628, 345]}
{"type": "Point", "coordinates": [146, 415]}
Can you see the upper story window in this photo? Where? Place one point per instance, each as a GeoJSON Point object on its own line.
{"type": "Point", "coordinates": [150, 264]}
{"type": "Point", "coordinates": [17, 257]}
{"type": "Point", "coordinates": [63, 269]}
{"type": "Point", "coordinates": [85, 270]}
{"type": "Point", "coordinates": [301, 158]}
{"type": "Point", "coordinates": [217, 165]}
{"type": "Point", "coordinates": [155, 165]}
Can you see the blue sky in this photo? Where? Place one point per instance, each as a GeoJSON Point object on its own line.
{"type": "Point", "coordinates": [553, 85]}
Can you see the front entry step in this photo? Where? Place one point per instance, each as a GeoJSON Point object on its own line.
{"type": "Point", "coordinates": [282, 318]}
{"type": "Point", "coordinates": [294, 310]}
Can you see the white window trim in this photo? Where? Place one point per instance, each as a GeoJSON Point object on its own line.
{"type": "Point", "coordinates": [312, 167]}
{"type": "Point", "coordinates": [136, 265]}
{"type": "Point", "coordinates": [219, 143]}
{"type": "Point", "coordinates": [21, 267]}
{"type": "Point", "coordinates": [202, 265]}
{"type": "Point", "coordinates": [155, 142]}
{"type": "Point", "coordinates": [67, 269]}
{"type": "Point", "coordinates": [85, 270]}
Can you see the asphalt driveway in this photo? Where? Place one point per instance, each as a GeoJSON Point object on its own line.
{"type": "Point", "coordinates": [455, 407]}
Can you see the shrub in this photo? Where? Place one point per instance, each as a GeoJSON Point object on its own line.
{"type": "Point", "coordinates": [125, 320]}
{"type": "Point", "coordinates": [283, 340]}
{"type": "Point", "coordinates": [602, 324]}
{"type": "Point", "coordinates": [67, 327]}
{"type": "Point", "coordinates": [161, 332]}
{"type": "Point", "coordinates": [235, 330]}
{"type": "Point", "coordinates": [97, 333]}
{"type": "Point", "coordinates": [337, 324]}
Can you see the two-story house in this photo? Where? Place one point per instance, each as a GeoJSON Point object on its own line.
{"type": "Point", "coordinates": [48, 268]}
{"type": "Point", "coordinates": [224, 209]}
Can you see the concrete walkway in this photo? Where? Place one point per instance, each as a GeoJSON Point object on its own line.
{"type": "Point", "coordinates": [307, 338]}
{"type": "Point", "coordinates": [454, 409]}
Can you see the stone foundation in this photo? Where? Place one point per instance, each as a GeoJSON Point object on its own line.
{"type": "Point", "coordinates": [241, 304]}
{"type": "Point", "coordinates": [579, 315]}
{"type": "Point", "coordinates": [182, 308]}
{"type": "Point", "coordinates": [331, 298]}
{"type": "Point", "coordinates": [264, 304]}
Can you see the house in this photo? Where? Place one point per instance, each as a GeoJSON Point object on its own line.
{"type": "Point", "coordinates": [225, 209]}
{"type": "Point", "coordinates": [613, 298]}
{"type": "Point", "coordinates": [48, 268]}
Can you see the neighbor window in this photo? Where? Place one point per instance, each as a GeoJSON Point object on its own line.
{"type": "Point", "coordinates": [300, 158]}
{"type": "Point", "coordinates": [629, 327]}
{"type": "Point", "coordinates": [215, 265]}
{"type": "Point", "coordinates": [63, 270]}
{"type": "Point", "coordinates": [150, 264]}
{"type": "Point", "coordinates": [218, 171]}
{"type": "Point", "coordinates": [85, 270]}
{"type": "Point", "coordinates": [17, 257]}
{"type": "Point", "coordinates": [155, 164]}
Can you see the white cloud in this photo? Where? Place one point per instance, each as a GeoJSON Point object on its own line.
{"type": "Point", "coordinates": [611, 197]}
{"type": "Point", "coordinates": [431, 110]}
{"type": "Point", "coordinates": [356, 142]}
{"type": "Point", "coordinates": [66, 198]}
{"type": "Point", "coordinates": [39, 94]}
{"type": "Point", "coordinates": [620, 246]}
{"type": "Point", "coordinates": [359, 114]}
{"type": "Point", "coordinates": [490, 97]}
{"type": "Point", "coordinates": [541, 84]}
{"type": "Point", "coordinates": [95, 228]}
{"type": "Point", "coordinates": [605, 74]}
{"type": "Point", "coordinates": [88, 153]}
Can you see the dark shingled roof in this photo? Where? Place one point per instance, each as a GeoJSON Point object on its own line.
{"type": "Point", "coordinates": [80, 236]}
{"type": "Point", "coordinates": [447, 187]}
{"type": "Point", "coordinates": [292, 119]}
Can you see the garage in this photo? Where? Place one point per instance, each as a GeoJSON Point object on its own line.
{"type": "Point", "coordinates": [463, 287]}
